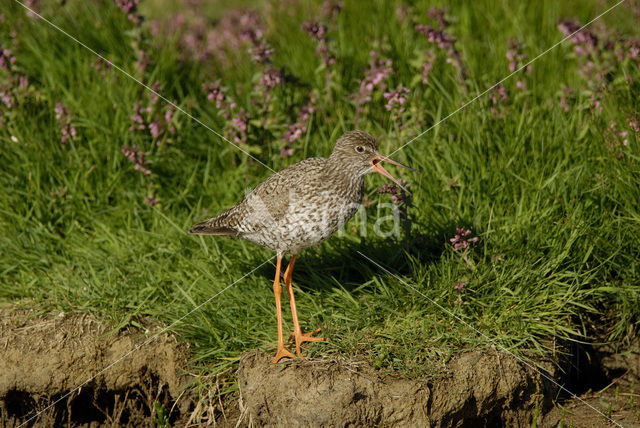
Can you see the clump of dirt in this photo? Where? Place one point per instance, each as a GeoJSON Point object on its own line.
{"type": "Point", "coordinates": [45, 358]}
{"type": "Point", "coordinates": [477, 388]}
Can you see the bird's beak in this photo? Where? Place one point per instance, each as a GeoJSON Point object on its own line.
{"type": "Point", "coordinates": [377, 167]}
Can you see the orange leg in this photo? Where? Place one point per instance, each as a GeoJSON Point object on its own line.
{"type": "Point", "coordinates": [297, 332]}
{"type": "Point", "coordinates": [282, 352]}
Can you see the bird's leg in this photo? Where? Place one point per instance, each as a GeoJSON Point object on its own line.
{"type": "Point", "coordinates": [282, 352]}
{"type": "Point", "coordinates": [297, 332]}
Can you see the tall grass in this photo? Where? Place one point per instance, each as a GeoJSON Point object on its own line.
{"type": "Point", "coordinates": [542, 177]}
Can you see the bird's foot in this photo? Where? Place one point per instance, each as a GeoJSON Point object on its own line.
{"type": "Point", "coordinates": [306, 337]}
{"type": "Point", "coordinates": [281, 353]}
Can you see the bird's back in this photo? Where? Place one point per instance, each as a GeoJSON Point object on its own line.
{"type": "Point", "coordinates": [293, 209]}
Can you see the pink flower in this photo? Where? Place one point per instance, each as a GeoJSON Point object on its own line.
{"type": "Point", "coordinates": [6, 59]}
{"type": "Point", "coordinates": [460, 240]}
{"type": "Point", "coordinates": [137, 158]}
{"type": "Point", "coordinates": [271, 78]}
{"type": "Point", "coordinates": [331, 9]}
{"type": "Point", "coordinates": [319, 33]}
{"type": "Point", "coordinates": [62, 115]}
{"type": "Point", "coordinates": [379, 71]}
{"type": "Point", "coordinates": [396, 99]}
{"type": "Point", "coordinates": [426, 68]}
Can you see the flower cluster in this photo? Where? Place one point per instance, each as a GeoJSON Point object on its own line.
{"type": "Point", "coordinates": [6, 96]}
{"type": "Point", "coordinates": [460, 240]}
{"type": "Point", "coordinates": [396, 100]}
{"type": "Point", "coordinates": [318, 32]}
{"type": "Point", "coordinates": [101, 66]}
{"type": "Point", "coordinates": [136, 156]}
{"type": "Point", "coordinates": [6, 59]}
{"type": "Point", "coordinates": [270, 78]}
{"type": "Point", "coordinates": [331, 9]}
{"type": "Point", "coordinates": [236, 119]}
{"type": "Point", "coordinates": [62, 115]}
{"type": "Point", "coordinates": [440, 37]}
{"type": "Point", "coordinates": [379, 71]}
{"type": "Point", "coordinates": [398, 195]}
{"type": "Point", "coordinates": [130, 7]}
{"type": "Point", "coordinates": [616, 139]}
{"type": "Point", "coordinates": [634, 124]}
{"type": "Point", "coordinates": [497, 95]}
{"type": "Point", "coordinates": [157, 124]}
{"type": "Point", "coordinates": [32, 5]}
{"type": "Point", "coordinates": [199, 41]}
{"type": "Point", "coordinates": [564, 99]}
{"type": "Point", "coordinates": [516, 60]}
{"type": "Point", "coordinates": [584, 41]}
{"type": "Point", "coordinates": [427, 66]}
{"type": "Point", "coordinates": [297, 129]}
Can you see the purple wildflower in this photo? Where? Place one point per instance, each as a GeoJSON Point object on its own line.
{"type": "Point", "coordinates": [143, 61]}
{"type": "Point", "coordinates": [379, 71]}
{"type": "Point", "coordinates": [239, 127]}
{"type": "Point", "coordinates": [137, 118]}
{"type": "Point", "coordinates": [460, 240]}
{"type": "Point", "coordinates": [5, 96]}
{"type": "Point", "coordinates": [616, 139]}
{"type": "Point", "coordinates": [496, 95]}
{"type": "Point", "coordinates": [130, 7]}
{"type": "Point", "coordinates": [437, 14]}
{"type": "Point", "coordinates": [396, 99]}
{"type": "Point", "coordinates": [215, 93]}
{"type": "Point", "coordinates": [318, 32]}
{"type": "Point", "coordinates": [426, 68]}
{"type": "Point", "coordinates": [6, 59]}
{"type": "Point", "coordinates": [398, 196]}
{"type": "Point", "coordinates": [331, 9]}
{"type": "Point", "coordinates": [584, 41]}
{"type": "Point", "coordinates": [566, 94]}
{"type": "Point", "coordinates": [297, 129]}
{"type": "Point", "coordinates": [155, 128]}
{"type": "Point", "coordinates": [271, 78]}
{"type": "Point", "coordinates": [633, 124]}
{"type": "Point", "coordinates": [261, 52]}
{"type": "Point", "coordinates": [402, 11]}
{"type": "Point", "coordinates": [136, 156]}
{"type": "Point", "coordinates": [150, 200]}
{"type": "Point", "coordinates": [62, 115]}
{"type": "Point", "coordinates": [33, 5]}
{"type": "Point", "coordinates": [459, 286]}
{"type": "Point", "coordinates": [516, 60]}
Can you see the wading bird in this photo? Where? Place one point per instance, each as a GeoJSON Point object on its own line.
{"type": "Point", "coordinates": [300, 206]}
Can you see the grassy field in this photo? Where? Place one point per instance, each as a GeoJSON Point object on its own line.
{"type": "Point", "coordinates": [100, 179]}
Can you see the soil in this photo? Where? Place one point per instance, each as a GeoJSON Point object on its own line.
{"type": "Point", "coordinates": [43, 359]}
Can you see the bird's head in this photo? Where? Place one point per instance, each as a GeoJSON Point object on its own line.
{"type": "Point", "coordinates": [357, 152]}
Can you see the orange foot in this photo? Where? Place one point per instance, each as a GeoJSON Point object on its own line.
{"type": "Point", "coordinates": [306, 337]}
{"type": "Point", "coordinates": [281, 353]}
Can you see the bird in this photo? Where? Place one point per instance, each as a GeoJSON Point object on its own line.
{"type": "Point", "coordinates": [301, 206]}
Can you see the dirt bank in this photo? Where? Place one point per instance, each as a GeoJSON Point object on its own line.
{"type": "Point", "coordinates": [479, 388]}
{"type": "Point", "coordinates": [44, 358]}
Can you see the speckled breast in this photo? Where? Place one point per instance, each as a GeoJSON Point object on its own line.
{"type": "Point", "coordinates": [311, 218]}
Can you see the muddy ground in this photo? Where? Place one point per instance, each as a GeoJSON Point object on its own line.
{"type": "Point", "coordinates": [43, 359]}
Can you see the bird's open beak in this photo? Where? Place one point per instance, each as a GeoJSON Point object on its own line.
{"type": "Point", "coordinates": [377, 167]}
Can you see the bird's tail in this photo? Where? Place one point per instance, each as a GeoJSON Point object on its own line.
{"type": "Point", "coordinates": [213, 227]}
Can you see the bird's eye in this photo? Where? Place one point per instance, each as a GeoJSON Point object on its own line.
{"type": "Point", "coordinates": [359, 149]}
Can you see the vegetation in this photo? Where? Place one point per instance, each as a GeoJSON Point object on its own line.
{"type": "Point", "coordinates": [100, 178]}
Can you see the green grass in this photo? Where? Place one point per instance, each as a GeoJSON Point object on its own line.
{"type": "Point", "coordinates": [556, 210]}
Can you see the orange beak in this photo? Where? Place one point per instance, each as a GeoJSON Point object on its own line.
{"type": "Point", "coordinates": [377, 167]}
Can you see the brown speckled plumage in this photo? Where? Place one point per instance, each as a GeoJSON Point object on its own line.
{"type": "Point", "coordinates": [301, 205]}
